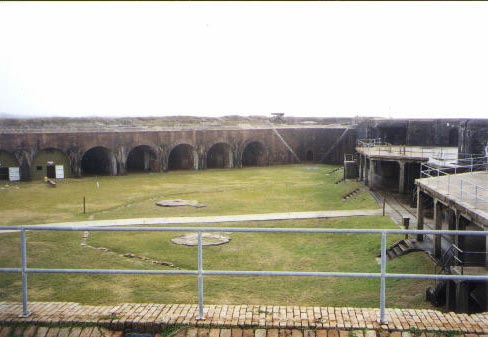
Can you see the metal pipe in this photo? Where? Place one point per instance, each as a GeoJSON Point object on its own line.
{"type": "Point", "coordinates": [23, 253]}
{"type": "Point", "coordinates": [383, 280]}
{"type": "Point", "coordinates": [448, 184]}
{"type": "Point", "coordinates": [259, 273]}
{"type": "Point", "coordinates": [248, 230]}
{"type": "Point", "coordinates": [110, 271]}
{"type": "Point", "coordinates": [200, 277]}
{"type": "Point", "coordinates": [475, 196]}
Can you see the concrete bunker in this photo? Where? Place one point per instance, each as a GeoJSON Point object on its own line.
{"type": "Point", "coordinates": [7, 160]}
{"type": "Point", "coordinates": [254, 154]}
{"type": "Point", "coordinates": [51, 163]}
{"type": "Point", "coordinates": [98, 161]}
{"type": "Point", "coordinates": [220, 156]}
{"type": "Point", "coordinates": [142, 158]}
{"type": "Point", "coordinates": [182, 157]}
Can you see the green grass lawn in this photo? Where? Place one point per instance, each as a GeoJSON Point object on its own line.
{"type": "Point", "coordinates": [253, 190]}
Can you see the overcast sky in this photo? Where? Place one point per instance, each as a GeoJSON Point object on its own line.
{"type": "Point", "coordinates": [398, 59]}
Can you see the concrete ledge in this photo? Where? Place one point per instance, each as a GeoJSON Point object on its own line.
{"type": "Point", "coordinates": [132, 316]}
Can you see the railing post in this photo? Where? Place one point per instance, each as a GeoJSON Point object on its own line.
{"type": "Point", "coordinates": [461, 189]}
{"type": "Point", "coordinates": [383, 279]}
{"type": "Point", "coordinates": [23, 254]}
{"type": "Point", "coordinates": [200, 277]}
{"type": "Point", "coordinates": [448, 183]}
{"type": "Point", "coordinates": [475, 196]}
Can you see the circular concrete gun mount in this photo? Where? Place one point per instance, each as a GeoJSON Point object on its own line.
{"type": "Point", "coordinates": [180, 202]}
{"type": "Point", "coordinates": [208, 239]}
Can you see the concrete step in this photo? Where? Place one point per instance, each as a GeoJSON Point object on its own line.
{"type": "Point", "coordinates": [400, 248]}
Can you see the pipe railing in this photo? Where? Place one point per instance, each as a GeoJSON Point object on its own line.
{"type": "Point", "coordinates": [383, 275]}
{"type": "Point", "coordinates": [429, 170]}
{"type": "Point", "coordinates": [464, 189]}
{"type": "Point", "coordinates": [377, 146]}
{"type": "Point", "coordinates": [371, 142]}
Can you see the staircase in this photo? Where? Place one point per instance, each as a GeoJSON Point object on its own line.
{"type": "Point", "coordinates": [401, 248]}
{"type": "Point", "coordinates": [437, 294]}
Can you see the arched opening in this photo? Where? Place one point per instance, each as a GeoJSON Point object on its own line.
{"type": "Point", "coordinates": [7, 160]}
{"type": "Point", "coordinates": [309, 155]}
{"type": "Point", "coordinates": [181, 158]}
{"type": "Point", "coordinates": [254, 155]}
{"type": "Point", "coordinates": [98, 161]}
{"type": "Point", "coordinates": [142, 159]}
{"type": "Point", "coordinates": [219, 156]}
{"type": "Point", "coordinates": [51, 163]}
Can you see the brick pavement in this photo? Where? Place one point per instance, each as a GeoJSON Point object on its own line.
{"type": "Point", "coordinates": [74, 320]}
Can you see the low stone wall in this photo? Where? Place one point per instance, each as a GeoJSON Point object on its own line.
{"type": "Point", "coordinates": [157, 317]}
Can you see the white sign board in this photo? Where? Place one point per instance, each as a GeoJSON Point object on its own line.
{"type": "Point", "coordinates": [13, 173]}
{"type": "Point", "coordinates": [59, 171]}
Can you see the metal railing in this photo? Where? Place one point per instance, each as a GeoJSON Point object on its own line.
{"type": "Point", "coordinates": [464, 189]}
{"type": "Point", "coordinates": [371, 142]}
{"type": "Point", "coordinates": [451, 258]}
{"type": "Point", "coordinates": [24, 270]}
{"type": "Point", "coordinates": [456, 257]}
{"type": "Point", "coordinates": [461, 165]}
{"type": "Point", "coordinates": [377, 146]}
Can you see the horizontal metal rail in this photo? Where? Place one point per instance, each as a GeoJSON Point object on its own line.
{"type": "Point", "coordinates": [383, 275]}
{"type": "Point", "coordinates": [96, 227]}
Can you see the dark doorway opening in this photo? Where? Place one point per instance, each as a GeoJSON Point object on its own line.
{"type": "Point", "coordinates": [387, 176]}
{"type": "Point", "coordinates": [142, 159]}
{"type": "Point", "coordinates": [219, 156]}
{"type": "Point", "coordinates": [181, 158]}
{"type": "Point", "coordinates": [254, 155]}
{"type": "Point", "coordinates": [51, 171]}
{"type": "Point", "coordinates": [98, 161]}
{"type": "Point", "coordinates": [309, 156]}
{"type": "Point", "coordinates": [3, 173]}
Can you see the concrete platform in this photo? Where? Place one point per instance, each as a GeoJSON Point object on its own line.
{"type": "Point", "coordinates": [259, 321]}
{"type": "Point", "coordinates": [414, 153]}
{"type": "Point", "coordinates": [466, 191]}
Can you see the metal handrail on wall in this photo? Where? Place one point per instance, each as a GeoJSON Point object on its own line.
{"type": "Point", "coordinates": [24, 270]}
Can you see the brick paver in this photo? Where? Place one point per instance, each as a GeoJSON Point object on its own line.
{"type": "Point", "coordinates": [50, 319]}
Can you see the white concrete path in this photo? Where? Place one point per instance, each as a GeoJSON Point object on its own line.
{"type": "Point", "coordinates": [216, 219]}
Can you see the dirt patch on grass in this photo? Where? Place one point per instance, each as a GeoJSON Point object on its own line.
{"type": "Point", "coordinates": [180, 202]}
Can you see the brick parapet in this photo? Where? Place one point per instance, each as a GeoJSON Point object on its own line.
{"type": "Point", "coordinates": [160, 316]}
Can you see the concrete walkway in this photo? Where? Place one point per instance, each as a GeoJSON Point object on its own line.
{"type": "Point", "coordinates": [266, 319]}
{"type": "Point", "coordinates": [216, 219]}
